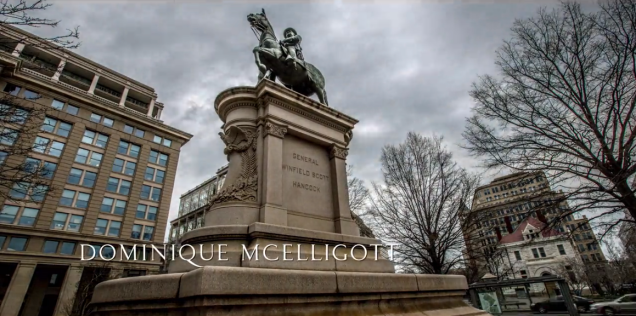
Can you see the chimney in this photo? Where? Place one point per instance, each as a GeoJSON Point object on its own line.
{"type": "Point", "coordinates": [508, 224]}
{"type": "Point", "coordinates": [498, 231]}
{"type": "Point", "coordinates": [541, 217]}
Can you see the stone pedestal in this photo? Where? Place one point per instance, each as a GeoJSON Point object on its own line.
{"type": "Point", "coordinates": [283, 222]}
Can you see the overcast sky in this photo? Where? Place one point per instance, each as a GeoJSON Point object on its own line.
{"type": "Point", "coordinates": [394, 67]}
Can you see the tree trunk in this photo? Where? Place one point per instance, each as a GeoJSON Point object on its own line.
{"type": "Point", "coordinates": [627, 197]}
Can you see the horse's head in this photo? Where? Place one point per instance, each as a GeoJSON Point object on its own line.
{"type": "Point", "coordinates": [259, 21]}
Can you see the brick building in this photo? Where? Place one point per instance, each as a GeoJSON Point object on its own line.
{"type": "Point", "coordinates": [112, 164]}
{"type": "Point", "coordinates": [533, 250]}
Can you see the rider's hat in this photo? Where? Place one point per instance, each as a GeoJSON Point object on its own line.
{"type": "Point", "coordinates": [290, 29]}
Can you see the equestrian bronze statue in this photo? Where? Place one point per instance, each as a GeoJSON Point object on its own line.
{"type": "Point", "coordinates": [284, 59]}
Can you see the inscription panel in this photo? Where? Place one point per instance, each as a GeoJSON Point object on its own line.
{"type": "Point", "coordinates": [306, 178]}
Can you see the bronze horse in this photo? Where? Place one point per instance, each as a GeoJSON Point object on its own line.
{"type": "Point", "coordinates": [269, 55]}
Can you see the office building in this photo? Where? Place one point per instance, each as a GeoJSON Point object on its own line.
{"type": "Point", "coordinates": [110, 163]}
{"type": "Point", "coordinates": [508, 201]}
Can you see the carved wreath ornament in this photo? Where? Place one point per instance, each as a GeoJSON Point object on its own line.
{"type": "Point", "coordinates": [243, 141]}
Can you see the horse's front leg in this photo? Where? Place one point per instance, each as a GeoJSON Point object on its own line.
{"type": "Point", "coordinates": [262, 68]}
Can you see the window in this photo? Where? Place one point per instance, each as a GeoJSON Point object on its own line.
{"type": "Point", "coordinates": [154, 175]}
{"type": "Point", "coordinates": [561, 249]}
{"type": "Point", "coordinates": [535, 253]}
{"type": "Point", "coordinates": [38, 168]}
{"type": "Point", "coordinates": [8, 214]}
{"type": "Point", "coordinates": [146, 212]}
{"type": "Point", "coordinates": [8, 136]}
{"type": "Point", "coordinates": [94, 138]}
{"type": "Point", "coordinates": [524, 274]}
{"type": "Point", "coordinates": [96, 118]}
{"type": "Point", "coordinates": [158, 158]}
{"type": "Point", "coordinates": [88, 157]}
{"type": "Point", "coordinates": [129, 149]}
{"type": "Point", "coordinates": [123, 166]}
{"type": "Point", "coordinates": [17, 244]}
{"type": "Point", "coordinates": [110, 205]}
{"type": "Point", "coordinates": [107, 227]}
{"type": "Point", "coordinates": [128, 129]}
{"type": "Point", "coordinates": [81, 177]}
{"type": "Point", "coordinates": [585, 258]}
{"type": "Point", "coordinates": [101, 119]}
{"type": "Point", "coordinates": [159, 140]}
{"type": "Point", "coordinates": [56, 127]}
{"type": "Point", "coordinates": [68, 248]}
{"type": "Point", "coordinates": [542, 252]}
{"type": "Point", "coordinates": [50, 246]}
{"type": "Point", "coordinates": [3, 156]}
{"type": "Point", "coordinates": [517, 255]}
{"type": "Point", "coordinates": [72, 109]}
{"type": "Point", "coordinates": [140, 133]}
{"type": "Point", "coordinates": [28, 216]}
{"type": "Point", "coordinates": [142, 232]}
{"type": "Point", "coordinates": [31, 95]}
{"type": "Point", "coordinates": [46, 146]}
{"type": "Point", "coordinates": [26, 191]}
{"type": "Point", "coordinates": [108, 122]}
{"type": "Point", "coordinates": [72, 198]}
{"type": "Point", "coordinates": [62, 221]}
{"type": "Point", "coordinates": [150, 193]}
{"type": "Point", "coordinates": [118, 186]}
{"type": "Point", "coordinates": [13, 115]}
{"type": "Point", "coordinates": [57, 104]}
{"type": "Point", "coordinates": [12, 89]}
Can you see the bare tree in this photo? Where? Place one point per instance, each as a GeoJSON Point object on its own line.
{"type": "Point", "coordinates": [358, 193]}
{"type": "Point", "coordinates": [92, 275]}
{"type": "Point", "coordinates": [21, 119]}
{"type": "Point", "coordinates": [565, 104]}
{"type": "Point", "coordinates": [358, 198]}
{"type": "Point", "coordinates": [620, 269]}
{"type": "Point", "coordinates": [23, 177]}
{"type": "Point", "coordinates": [420, 202]}
{"type": "Point", "coordinates": [23, 13]}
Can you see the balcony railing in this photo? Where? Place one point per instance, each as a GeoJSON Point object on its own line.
{"type": "Point", "coordinates": [108, 90]}
{"type": "Point", "coordinates": [137, 102]}
{"type": "Point", "coordinates": [76, 77]}
{"type": "Point", "coordinates": [94, 97]}
{"type": "Point", "coordinates": [34, 60]}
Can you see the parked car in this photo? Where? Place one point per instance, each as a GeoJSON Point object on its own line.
{"type": "Point", "coordinates": [623, 304]}
{"type": "Point", "coordinates": [557, 304]}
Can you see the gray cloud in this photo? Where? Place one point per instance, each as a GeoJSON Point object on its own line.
{"type": "Point", "coordinates": [396, 68]}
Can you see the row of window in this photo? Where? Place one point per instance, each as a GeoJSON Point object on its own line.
{"type": "Point", "coordinates": [104, 227]}
{"type": "Point", "coordinates": [13, 214]}
{"type": "Point", "coordinates": [592, 257]}
{"type": "Point", "coordinates": [63, 247]}
{"type": "Point", "coordinates": [73, 110]}
{"type": "Point", "coordinates": [60, 128]}
{"type": "Point", "coordinates": [512, 185]}
{"type": "Point", "coordinates": [71, 198]}
{"type": "Point", "coordinates": [54, 148]}
{"type": "Point", "coordinates": [513, 193]}
{"type": "Point", "coordinates": [590, 247]}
